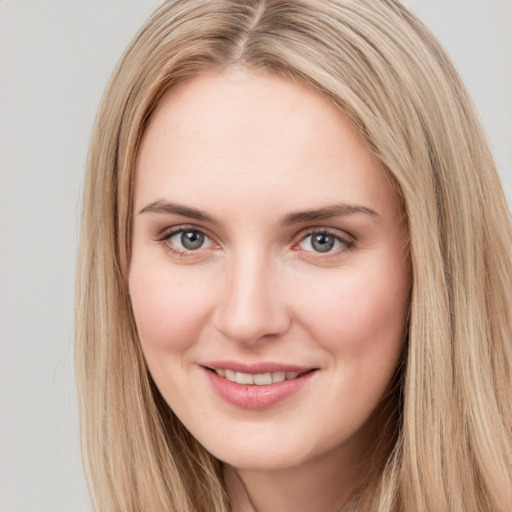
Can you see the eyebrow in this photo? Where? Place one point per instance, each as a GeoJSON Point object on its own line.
{"type": "Point", "coordinates": [337, 210]}
{"type": "Point", "coordinates": [166, 207]}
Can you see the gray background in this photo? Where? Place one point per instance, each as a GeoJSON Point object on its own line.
{"type": "Point", "coordinates": [55, 59]}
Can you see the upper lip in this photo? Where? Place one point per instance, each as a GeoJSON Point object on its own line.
{"type": "Point", "coordinates": [256, 368]}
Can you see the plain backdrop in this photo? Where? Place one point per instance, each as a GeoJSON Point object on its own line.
{"type": "Point", "coordinates": [55, 59]}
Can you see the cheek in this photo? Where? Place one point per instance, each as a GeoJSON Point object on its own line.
{"type": "Point", "coordinates": [167, 308]}
{"type": "Point", "coordinates": [359, 314]}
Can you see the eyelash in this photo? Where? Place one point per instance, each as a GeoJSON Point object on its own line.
{"type": "Point", "coordinates": [346, 242]}
{"type": "Point", "coordinates": [165, 240]}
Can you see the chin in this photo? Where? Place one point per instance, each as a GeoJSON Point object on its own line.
{"type": "Point", "coordinates": [270, 455]}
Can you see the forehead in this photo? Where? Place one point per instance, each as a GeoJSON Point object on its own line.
{"type": "Point", "coordinates": [243, 133]}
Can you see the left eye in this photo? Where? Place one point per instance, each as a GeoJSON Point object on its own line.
{"type": "Point", "coordinates": [189, 240]}
{"type": "Point", "coordinates": [323, 242]}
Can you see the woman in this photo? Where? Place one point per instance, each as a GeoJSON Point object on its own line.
{"type": "Point", "coordinates": [294, 281]}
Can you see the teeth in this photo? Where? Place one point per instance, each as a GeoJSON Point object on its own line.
{"type": "Point", "coordinates": [278, 377]}
{"type": "Point", "coordinates": [260, 379]}
{"type": "Point", "coordinates": [244, 378]}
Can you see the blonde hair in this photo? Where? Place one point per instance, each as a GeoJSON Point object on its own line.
{"type": "Point", "coordinates": [451, 428]}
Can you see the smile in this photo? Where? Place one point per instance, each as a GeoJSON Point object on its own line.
{"type": "Point", "coordinates": [257, 387]}
{"type": "Point", "coordinates": [258, 379]}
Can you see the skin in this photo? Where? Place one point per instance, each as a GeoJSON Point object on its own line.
{"type": "Point", "coordinates": [249, 149]}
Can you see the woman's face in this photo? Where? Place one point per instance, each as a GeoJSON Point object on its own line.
{"type": "Point", "coordinates": [269, 275]}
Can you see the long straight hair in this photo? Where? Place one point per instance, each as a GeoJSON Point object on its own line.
{"type": "Point", "coordinates": [450, 440]}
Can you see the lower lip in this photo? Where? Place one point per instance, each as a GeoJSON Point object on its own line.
{"type": "Point", "coordinates": [256, 397]}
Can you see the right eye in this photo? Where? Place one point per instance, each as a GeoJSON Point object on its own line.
{"type": "Point", "coordinates": [183, 241]}
{"type": "Point", "coordinates": [189, 240]}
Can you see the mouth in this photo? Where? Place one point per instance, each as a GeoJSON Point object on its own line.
{"type": "Point", "coordinates": [257, 386]}
{"type": "Point", "coordinates": [257, 379]}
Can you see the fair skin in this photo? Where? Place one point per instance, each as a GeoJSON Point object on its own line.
{"type": "Point", "coordinates": [268, 241]}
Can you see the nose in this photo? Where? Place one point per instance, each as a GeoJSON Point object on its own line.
{"type": "Point", "coordinates": [252, 304]}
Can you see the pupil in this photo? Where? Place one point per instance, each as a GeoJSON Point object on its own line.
{"type": "Point", "coordinates": [322, 242]}
{"type": "Point", "coordinates": [192, 239]}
